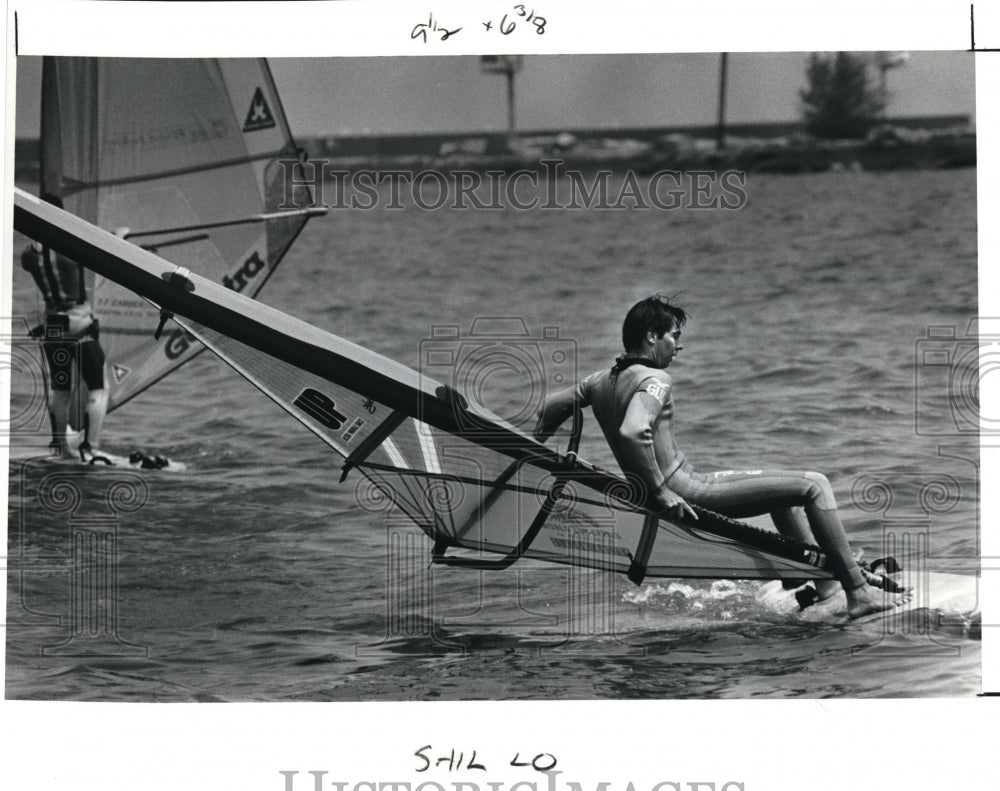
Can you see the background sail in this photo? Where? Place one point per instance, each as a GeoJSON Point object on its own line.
{"type": "Point", "coordinates": [186, 154]}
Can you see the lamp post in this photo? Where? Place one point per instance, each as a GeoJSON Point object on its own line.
{"type": "Point", "coordinates": [720, 134]}
{"type": "Point", "coordinates": [508, 65]}
{"type": "Point", "coordinates": [886, 61]}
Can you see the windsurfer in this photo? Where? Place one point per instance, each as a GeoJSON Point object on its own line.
{"type": "Point", "coordinates": [69, 334]}
{"type": "Point", "coordinates": [634, 406]}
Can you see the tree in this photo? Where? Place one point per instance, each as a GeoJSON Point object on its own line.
{"type": "Point", "coordinates": [840, 100]}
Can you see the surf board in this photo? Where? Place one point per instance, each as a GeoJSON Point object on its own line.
{"type": "Point", "coordinates": [938, 592]}
{"type": "Point", "coordinates": [134, 461]}
{"type": "Point", "coordinates": [37, 451]}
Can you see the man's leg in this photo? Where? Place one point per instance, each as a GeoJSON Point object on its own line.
{"type": "Point", "coordinates": [97, 407]}
{"type": "Point", "coordinates": [742, 494]}
{"type": "Point", "coordinates": [792, 522]}
{"type": "Point", "coordinates": [59, 401]}
{"type": "Point", "coordinates": [824, 520]}
{"type": "Point", "coordinates": [60, 356]}
{"type": "Point", "coordinates": [92, 373]}
{"type": "Point", "coordinates": [862, 598]}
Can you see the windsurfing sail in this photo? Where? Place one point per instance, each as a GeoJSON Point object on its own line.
{"type": "Point", "coordinates": [195, 158]}
{"type": "Point", "coordinates": [465, 476]}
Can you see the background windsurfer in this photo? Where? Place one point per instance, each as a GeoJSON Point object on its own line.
{"type": "Point", "coordinates": [634, 406]}
{"type": "Point", "coordinates": [69, 335]}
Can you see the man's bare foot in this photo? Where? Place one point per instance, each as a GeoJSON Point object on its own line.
{"type": "Point", "coordinates": [866, 600]}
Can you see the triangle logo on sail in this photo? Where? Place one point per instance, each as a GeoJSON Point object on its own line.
{"type": "Point", "coordinates": [259, 116]}
{"type": "Point", "coordinates": [120, 372]}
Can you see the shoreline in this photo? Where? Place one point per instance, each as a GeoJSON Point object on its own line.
{"type": "Point", "coordinates": [897, 145]}
{"type": "Point", "coordinates": [888, 148]}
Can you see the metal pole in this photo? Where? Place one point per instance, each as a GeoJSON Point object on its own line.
{"type": "Point", "coordinates": [883, 88]}
{"type": "Point", "coordinates": [510, 107]}
{"type": "Point", "coordinates": [720, 135]}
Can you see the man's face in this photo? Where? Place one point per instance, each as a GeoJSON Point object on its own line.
{"type": "Point", "coordinates": [665, 348]}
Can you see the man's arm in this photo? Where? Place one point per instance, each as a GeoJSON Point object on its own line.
{"type": "Point", "coordinates": [30, 263]}
{"type": "Point", "coordinates": [639, 454]}
{"type": "Point", "coordinates": [556, 410]}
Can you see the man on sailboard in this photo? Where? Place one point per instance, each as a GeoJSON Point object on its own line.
{"type": "Point", "coordinates": [69, 334]}
{"type": "Point", "coordinates": [634, 406]}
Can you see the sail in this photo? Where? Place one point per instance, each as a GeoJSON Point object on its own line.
{"type": "Point", "coordinates": [470, 480]}
{"type": "Point", "coordinates": [194, 157]}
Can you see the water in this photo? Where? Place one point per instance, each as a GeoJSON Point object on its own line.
{"type": "Point", "coordinates": [255, 576]}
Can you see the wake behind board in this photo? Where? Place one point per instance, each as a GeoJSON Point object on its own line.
{"type": "Point", "coordinates": [954, 595]}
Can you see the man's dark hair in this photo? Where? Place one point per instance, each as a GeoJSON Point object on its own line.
{"type": "Point", "coordinates": [654, 314]}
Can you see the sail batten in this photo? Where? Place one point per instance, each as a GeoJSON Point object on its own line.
{"type": "Point", "coordinates": [255, 218]}
{"type": "Point", "coordinates": [71, 185]}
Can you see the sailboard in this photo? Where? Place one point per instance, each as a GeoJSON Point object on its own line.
{"type": "Point", "coordinates": [487, 494]}
{"type": "Point", "coordinates": [136, 460]}
{"type": "Point", "coordinates": [945, 597]}
{"type": "Point", "coordinates": [195, 158]}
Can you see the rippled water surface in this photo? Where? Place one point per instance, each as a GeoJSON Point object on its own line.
{"type": "Point", "coordinates": [255, 576]}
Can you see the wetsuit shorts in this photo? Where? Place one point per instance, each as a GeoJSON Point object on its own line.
{"type": "Point", "coordinates": [86, 352]}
